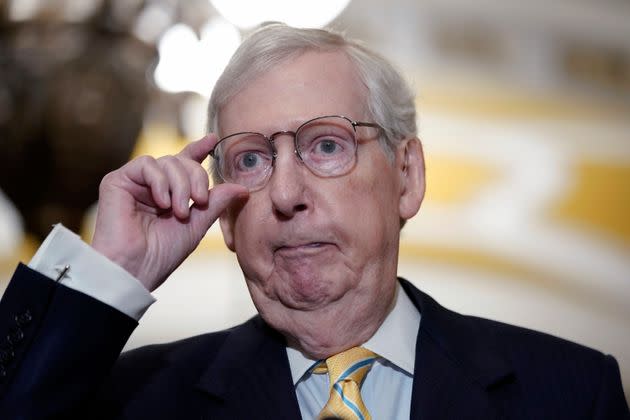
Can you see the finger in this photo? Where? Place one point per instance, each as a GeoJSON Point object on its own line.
{"type": "Point", "coordinates": [198, 150]}
{"type": "Point", "coordinates": [199, 181]}
{"type": "Point", "coordinates": [144, 171]}
{"type": "Point", "coordinates": [179, 185]}
{"type": "Point", "coordinates": [221, 197]}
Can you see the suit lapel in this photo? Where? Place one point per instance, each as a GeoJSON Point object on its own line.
{"type": "Point", "coordinates": [458, 371]}
{"type": "Point", "coordinates": [250, 377]}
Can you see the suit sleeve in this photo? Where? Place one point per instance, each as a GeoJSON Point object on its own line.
{"type": "Point", "coordinates": [611, 402]}
{"type": "Point", "coordinates": [56, 346]}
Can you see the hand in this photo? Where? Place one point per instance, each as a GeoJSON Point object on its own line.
{"type": "Point", "coordinates": [144, 221]}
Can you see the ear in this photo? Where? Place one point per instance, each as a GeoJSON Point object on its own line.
{"type": "Point", "coordinates": [226, 221]}
{"type": "Point", "coordinates": [410, 163]}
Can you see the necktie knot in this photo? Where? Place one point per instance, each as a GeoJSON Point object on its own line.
{"type": "Point", "coordinates": [346, 371]}
{"type": "Point", "coordinates": [352, 364]}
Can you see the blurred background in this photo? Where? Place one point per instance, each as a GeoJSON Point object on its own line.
{"type": "Point", "coordinates": [524, 112]}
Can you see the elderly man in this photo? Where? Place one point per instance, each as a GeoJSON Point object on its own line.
{"type": "Point", "coordinates": [317, 166]}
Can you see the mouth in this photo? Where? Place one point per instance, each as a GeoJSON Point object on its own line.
{"type": "Point", "coordinates": [302, 249]}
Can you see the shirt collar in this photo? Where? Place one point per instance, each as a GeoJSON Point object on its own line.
{"type": "Point", "coordinates": [400, 326]}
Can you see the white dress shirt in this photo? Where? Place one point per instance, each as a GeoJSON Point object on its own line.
{"type": "Point", "coordinates": [386, 390]}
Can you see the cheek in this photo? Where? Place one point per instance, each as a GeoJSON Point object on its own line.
{"type": "Point", "coordinates": [249, 234]}
{"type": "Point", "coordinates": [376, 189]}
{"type": "Point", "coordinates": [371, 209]}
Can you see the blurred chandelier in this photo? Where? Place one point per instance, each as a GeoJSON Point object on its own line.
{"type": "Point", "coordinates": [192, 63]}
{"type": "Point", "coordinates": [304, 13]}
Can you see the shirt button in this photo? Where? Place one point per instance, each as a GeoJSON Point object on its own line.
{"type": "Point", "coordinates": [6, 355]}
{"type": "Point", "coordinates": [15, 335]}
{"type": "Point", "coordinates": [24, 318]}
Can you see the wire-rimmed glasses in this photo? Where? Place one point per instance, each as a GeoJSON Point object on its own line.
{"type": "Point", "coordinates": [326, 145]}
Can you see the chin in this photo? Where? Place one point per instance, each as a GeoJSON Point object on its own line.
{"type": "Point", "coordinates": [311, 290]}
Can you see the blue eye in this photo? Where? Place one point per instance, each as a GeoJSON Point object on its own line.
{"type": "Point", "coordinates": [328, 147]}
{"type": "Point", "coordinates": [249, 160]}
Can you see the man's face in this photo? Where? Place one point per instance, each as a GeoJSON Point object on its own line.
{"type": "Point", "coordinates": [319, 254]}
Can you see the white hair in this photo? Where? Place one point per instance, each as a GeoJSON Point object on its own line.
{"type": "Point", "coordinates": [389, 99]}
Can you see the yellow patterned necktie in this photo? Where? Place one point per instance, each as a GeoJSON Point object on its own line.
{"type": "Point", "coordinates": [346, 372]}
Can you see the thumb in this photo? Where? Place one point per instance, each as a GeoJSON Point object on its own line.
{"type": "Point", "coordinates": [221, 196]}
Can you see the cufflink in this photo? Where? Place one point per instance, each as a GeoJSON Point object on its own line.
{"type": "Point", "coordinates": [62, 272]}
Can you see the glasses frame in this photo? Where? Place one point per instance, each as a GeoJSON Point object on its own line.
{"type": "Point", "coordinates": [271, 140]}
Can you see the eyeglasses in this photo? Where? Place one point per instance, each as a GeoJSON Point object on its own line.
{"type": "Point", "coordinates": [326, 145]}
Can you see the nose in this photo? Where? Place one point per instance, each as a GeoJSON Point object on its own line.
{"type": "Point", "coordinates": [287, 188]}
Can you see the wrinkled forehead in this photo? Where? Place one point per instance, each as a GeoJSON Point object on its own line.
{"type": "Point", "coordinates": [299, 88]}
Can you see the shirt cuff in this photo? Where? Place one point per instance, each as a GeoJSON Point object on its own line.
{"type": "Point", "coordinates": [90, 272]}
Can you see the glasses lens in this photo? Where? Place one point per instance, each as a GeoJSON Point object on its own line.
{"type": "Point", "coordinates": [244, 159]}
{"type": "Point", "coordinates": [327, 145]}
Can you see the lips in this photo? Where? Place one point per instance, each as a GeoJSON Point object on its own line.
{"type": "Point", "coordinates": [302, 248]}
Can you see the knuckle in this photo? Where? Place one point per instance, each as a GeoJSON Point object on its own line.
{"type": "Point", "coordinates": [196, 169]}
{"type": "Point", "coordinates": [106, 180]}
{"type": "Point", "coordinates": [165, 158]}
{"type": "Point", "coordinates": [145, 160]}
{"type": "Point", "coordinates": [202, 175]}
{"type": "Point", "coordinates": [168, 161]}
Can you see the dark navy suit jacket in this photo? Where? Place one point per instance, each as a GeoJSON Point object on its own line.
{"type": "Point", "coordinates": [60, 359]}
